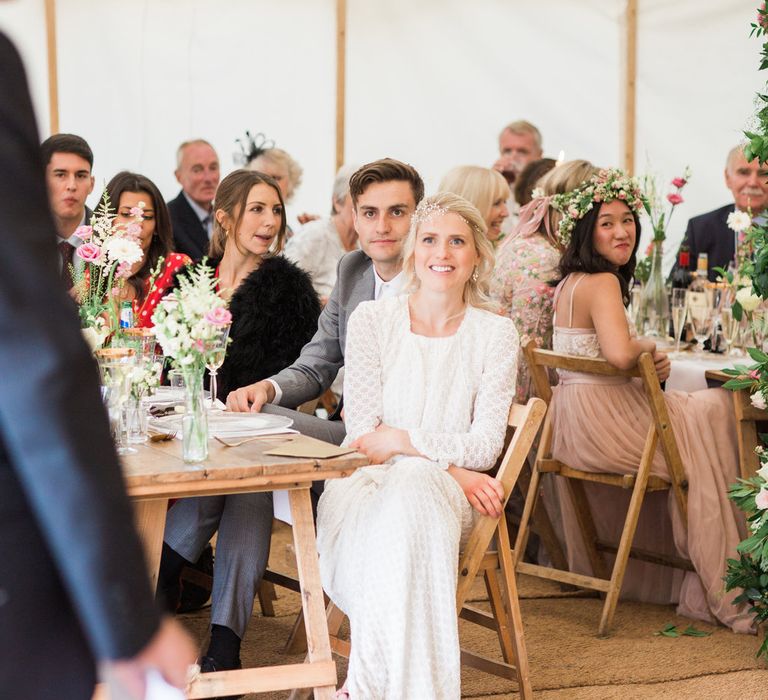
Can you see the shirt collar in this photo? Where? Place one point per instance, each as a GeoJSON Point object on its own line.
{"type": "Point", "coordinates": [73, 239]}
{"type": "Point", "coordinates": [201, 213]}
{"type": "Point", "coordinates": [384, 289]}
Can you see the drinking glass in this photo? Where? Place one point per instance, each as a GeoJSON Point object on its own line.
{"type": "Point", "coordinates": [758, 328]}
{"type": "Point", "coordinates": [701, 315]}
{"type": "Point", "coordinates": [679, 313]}
{"type": "Point", "coordinates": [730, 328]}
{"type": "Point", "coordinates": [115, 366]}
{"type": "Point", "coordinates": [215, 351]}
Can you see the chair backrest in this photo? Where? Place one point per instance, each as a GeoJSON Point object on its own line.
{"type": "Point", "coordinates": [526, 421]}
{"type": "Point", "coordinates": [538, 362]}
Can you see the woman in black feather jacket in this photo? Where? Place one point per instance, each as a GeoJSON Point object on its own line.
{"type": "Point", "coordinates": [274, 313]}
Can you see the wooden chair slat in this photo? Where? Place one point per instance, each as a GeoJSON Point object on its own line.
{"type": "Point", "coordinates": [660, 433]}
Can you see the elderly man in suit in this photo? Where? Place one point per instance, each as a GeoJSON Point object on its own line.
{"type": "Point", "coordinates": [68, 162]}
{"type": "Point", "coordinates": [709, 233]}
{"type": "Point", "coordinates": [197, 170]}
{"type": "Point", "coordinates": [385, 194]}
{"type": "Point", "coordinates": [73, 586]}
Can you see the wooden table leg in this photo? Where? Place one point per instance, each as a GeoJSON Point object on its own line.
{"type": "Point", "coordinates": [150, 523]}
{"type": "Point", "coordinates": [312, 601]}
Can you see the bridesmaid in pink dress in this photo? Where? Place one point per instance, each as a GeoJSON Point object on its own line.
{"type": "Point", "coordinates": [600, 423]}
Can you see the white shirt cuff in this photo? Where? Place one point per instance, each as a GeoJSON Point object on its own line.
{"type": "Point", "coordinates": [278, 392]}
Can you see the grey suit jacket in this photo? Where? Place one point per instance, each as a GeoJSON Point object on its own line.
{"type": "Point", "coordinates": [323, 356]}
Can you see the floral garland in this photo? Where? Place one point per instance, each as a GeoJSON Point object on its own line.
{"type": "Point", "coordinates": [750, 571]}
{"type": "Point", "coordinates": [606, 186]}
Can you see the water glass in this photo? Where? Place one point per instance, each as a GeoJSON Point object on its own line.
{"type": "Point", "coordinates": [115, 367]}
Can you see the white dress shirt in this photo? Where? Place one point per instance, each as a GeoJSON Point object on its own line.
{"type": "Point", "coordinates": [206, 217]}
{"type": "Point", "coordinates": [381, 290]}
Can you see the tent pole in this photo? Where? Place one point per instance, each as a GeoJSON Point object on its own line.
{"type": "Point", "coordinates": [630, 86]}
{"type": "Point", "coordinates": [53, 73]}
{"type": "Point", "coordinates": [341, 66]}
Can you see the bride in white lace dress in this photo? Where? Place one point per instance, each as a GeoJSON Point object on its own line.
{"type": "Point", "coordinates": [429, 382]}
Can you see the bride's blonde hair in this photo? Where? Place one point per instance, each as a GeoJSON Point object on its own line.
{"type": "Point", "coordinates": [476, 290]}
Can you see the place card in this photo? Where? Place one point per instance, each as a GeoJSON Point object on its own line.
{"type": "Point", "coordinates": [309, 448]}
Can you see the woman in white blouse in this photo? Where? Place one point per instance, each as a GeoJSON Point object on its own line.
{"type": "Point", "coordinates": [430, 379]}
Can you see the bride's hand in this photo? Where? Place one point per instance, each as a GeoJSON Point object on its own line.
{"type": "Point", "coordinates": [383, 444]}
{"type": "Point", "coordinates": [484, 493]}
{"type": "Point", "coordinates": [663, 365]}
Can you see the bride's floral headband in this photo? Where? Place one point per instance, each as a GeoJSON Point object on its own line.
{"type": "Point", "coordinates": [606, 186]}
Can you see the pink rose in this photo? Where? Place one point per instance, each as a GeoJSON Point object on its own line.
{"type": "Point", "coordinates": [674, 198]}
{"type": "Point", "coordinates": [89, 252]}
{"type": "Point", "coordinates": [84, 232]}
{"type": "Point", "coordinates": [622, 195]}
{"type": "Point", "coordinates": [679, 182]}
{"type": "Point", "coordinates": [219, 317]}
{"type": "Point", "coordinates": [761, 500]}
{"type": "Point", "coordinates": [754, 374]}
{"type": "Point", "coordinates": [133, 229]}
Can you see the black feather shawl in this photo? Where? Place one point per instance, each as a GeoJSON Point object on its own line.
{"type": "Point", "coordinates": [274, 314]}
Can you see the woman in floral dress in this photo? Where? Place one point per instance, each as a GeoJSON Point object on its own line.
{"type": "Point", "coordinates": [526, 265]}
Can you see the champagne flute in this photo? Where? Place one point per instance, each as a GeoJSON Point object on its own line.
{"type": "Point", "coordinates": [635, 300]}
{"type": "Point", "coordinates": [215, 351]}
{"type": "Point", "coordinates": [679, 313]}
{"type": "Point", "coordinates": [730, 328]}
{"type": "Point", "coordinates": [701, 317]}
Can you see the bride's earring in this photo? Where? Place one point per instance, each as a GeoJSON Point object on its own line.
{"type": "Point", "coordinates": [475, 275]}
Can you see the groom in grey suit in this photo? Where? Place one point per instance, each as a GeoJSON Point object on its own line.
{"type": "Point", "coordinates": [385, 194]}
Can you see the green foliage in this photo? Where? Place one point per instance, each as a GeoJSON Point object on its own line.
{"type": "Point", "coordinates": [671, 630]}
{"type": "Point", "coordinates": [643, 270]}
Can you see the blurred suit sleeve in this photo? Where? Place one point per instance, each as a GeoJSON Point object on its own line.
{"type": "Point", "coordinates": [53, 427]}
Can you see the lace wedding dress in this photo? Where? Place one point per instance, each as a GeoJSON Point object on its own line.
{"type": "Point", "coordinates": [600, 424]}
{"type": "Point", "coordinates": [389, 535]}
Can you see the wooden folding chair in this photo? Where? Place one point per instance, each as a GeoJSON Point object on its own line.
{"type": "Point", "coordinates": [659, 431]}
{"type": "Point", "coordinates": [496, 566]}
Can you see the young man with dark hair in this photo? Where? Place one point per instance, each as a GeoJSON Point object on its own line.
{"type": "Point", "coordinates": [68, 161]}
{"type": "Point", "coordinates": [385, 193]}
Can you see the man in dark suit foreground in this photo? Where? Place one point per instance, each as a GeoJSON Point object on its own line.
{"type": "Point", "coordinates": [197, 170]}
{"type": "Point", "coordinates": [709, 233]}
{"type": "Point", "coordinates": [73, 585]}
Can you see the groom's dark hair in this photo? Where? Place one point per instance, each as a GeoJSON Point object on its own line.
{"type": "Point", "coordinates": [385, 170]}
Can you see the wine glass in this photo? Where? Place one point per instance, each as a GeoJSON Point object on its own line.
{"type": "Point", "coordinates": [679, 313]}
{"type": "Point", "coordinates": [730, 326]}
{"type": "Point", "coordinates": [701, 315]}
{"type": "Point", "coordinates": [215, 351]}
{"type": "Point", "coordinates": [115, 366]}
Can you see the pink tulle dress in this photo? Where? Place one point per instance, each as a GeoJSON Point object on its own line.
{"type": "Point", "coordinates": [600, 424]}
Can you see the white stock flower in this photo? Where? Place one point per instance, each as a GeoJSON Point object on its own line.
{"type": "Point", "coordinates": [758, 400]}
{"type": "Point", "coordinates": [747, 299]}
{"type": "Point", "coordinates": [739, 221]}
{"type": "Point", "coordinates": [763, 472]}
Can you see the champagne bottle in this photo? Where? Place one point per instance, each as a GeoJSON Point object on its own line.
{"type": "Point", "coordinates": [682, 276]}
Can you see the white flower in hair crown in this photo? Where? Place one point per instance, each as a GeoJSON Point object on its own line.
{"type": "Point", "coordinates": [606, 186]}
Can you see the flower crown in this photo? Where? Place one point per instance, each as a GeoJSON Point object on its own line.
{"type": "Point", "coordinates": [606, 186]}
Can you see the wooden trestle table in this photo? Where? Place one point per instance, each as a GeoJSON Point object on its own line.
{"type": "Point", "coordinates": [157, 473]}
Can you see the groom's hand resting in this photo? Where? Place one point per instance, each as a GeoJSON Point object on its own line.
{"type": "Point", "coordinates": [251, 397]}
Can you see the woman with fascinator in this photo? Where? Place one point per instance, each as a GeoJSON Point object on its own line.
{"type": "Point", "coordinates": [526, 264]}
{"type": "Point", "coordinates": [428, 386]}
{"type": "Point", "coordinates": [600, 231]}
{"type": "Point", "coordinates": [260, 154]}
